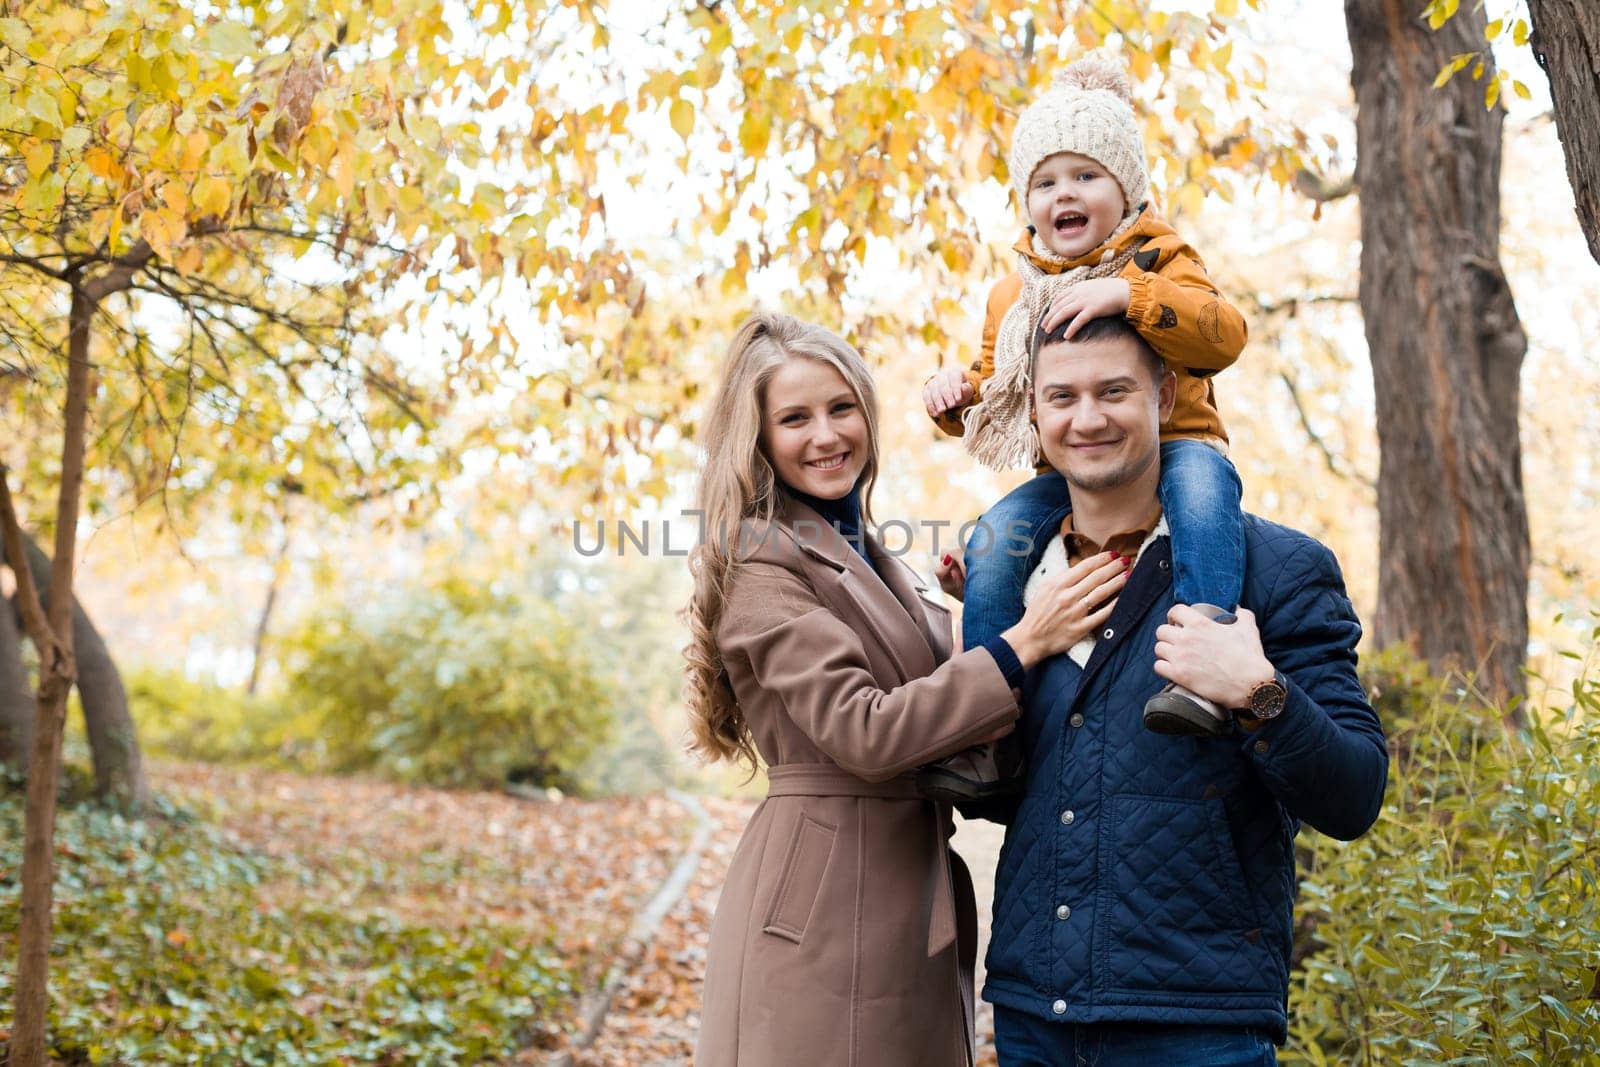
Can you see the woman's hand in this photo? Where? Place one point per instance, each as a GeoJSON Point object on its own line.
{"type": "Point", "coordinates": [1069, 607]}
{"type": "Point", "coordinates": [945, 390]}
{"type": "Point", "coordinates": [1086, 301]}
{"type": "Point", "coordinates": [951, 571]}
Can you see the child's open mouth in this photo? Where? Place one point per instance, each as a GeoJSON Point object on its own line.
{"type": "Point", "coordinates": [1068, 225]}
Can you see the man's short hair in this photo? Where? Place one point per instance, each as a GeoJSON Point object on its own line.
{"type": "Point", "coordinates": [1105, 328]}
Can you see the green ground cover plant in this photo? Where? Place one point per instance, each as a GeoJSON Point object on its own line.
{"type": "Point", "coordinates": [177, 943]}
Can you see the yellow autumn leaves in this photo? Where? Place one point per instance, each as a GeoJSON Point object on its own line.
{"type": "Point", "coordinates": [476, 148]}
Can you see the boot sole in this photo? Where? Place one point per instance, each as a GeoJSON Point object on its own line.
{"type": "Point", "coordinates": [1177, 717]}
{"type": "Point", "coordinates": [937, 784]}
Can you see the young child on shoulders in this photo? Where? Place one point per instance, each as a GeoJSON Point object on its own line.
{"type": "Point", "coordinates": [1093, 247]}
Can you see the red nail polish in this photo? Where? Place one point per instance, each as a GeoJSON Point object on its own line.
{"type": "Point", "coordinates": [947, 559]}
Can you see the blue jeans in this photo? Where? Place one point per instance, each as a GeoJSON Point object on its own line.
{"type": "Point", "coordinates": [1200, 495]}
{"type": "Point", "coordinates": [1024, 1040]}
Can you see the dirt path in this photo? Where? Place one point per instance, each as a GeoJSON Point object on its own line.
{"type": "Point", "coordinates": [979, 844]}
{"type": "Point", "coordinates": [654, 1015]}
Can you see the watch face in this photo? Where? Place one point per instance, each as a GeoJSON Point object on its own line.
{"type": "Point", "coordinates": [1266, 699]}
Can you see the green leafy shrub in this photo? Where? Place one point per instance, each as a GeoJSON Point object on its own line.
{"type": "Point", "coordinates": [1462, 928]}
{"type": "Point", "coordinates": [186, 719]}
{"type": "Point", "coordinates": [175, 944]}
{"type": "Point", "coordinates": [451, 685]}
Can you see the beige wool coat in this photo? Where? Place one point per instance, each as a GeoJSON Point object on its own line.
{"type": "Point", "coordinates": [846, 930]}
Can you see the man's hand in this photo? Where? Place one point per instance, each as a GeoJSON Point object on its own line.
{"type": "Point", "coordinates": [1086, 302]}
{"type": "Point", "coordinates": [951, 571]}
{"type": "Point", "coordinates": [1220, 661]}
{"type": "Point", "coordinates": [945, 390]}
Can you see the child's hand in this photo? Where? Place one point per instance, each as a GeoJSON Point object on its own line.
{"type": "Point", "coordinates": [1086, 302]}
{"type": "Point", "coordinates": [952, 574]}
{"type": "Point", "coordinates": [945, 390]}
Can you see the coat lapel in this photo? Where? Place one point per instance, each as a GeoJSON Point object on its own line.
{"type": "Point", "coordinates": [884, 613]}
{"type": "Point", "coordinates": [921, 603]}
{"type": "Point", "coordinates": [1150, 580]}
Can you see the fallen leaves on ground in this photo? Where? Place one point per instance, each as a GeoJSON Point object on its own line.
{"type": "Point", "coordinates": [656, 1011]}
{"type": "Point", "coordinates": [577, 868]}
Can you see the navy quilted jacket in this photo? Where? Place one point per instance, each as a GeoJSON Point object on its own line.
{"type": "Point", "coordinates": [1148, 878]}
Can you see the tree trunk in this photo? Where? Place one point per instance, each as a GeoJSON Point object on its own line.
{"type": "Point", "coordinates": [259, 646]}
{"type": "Point", "coordinates": [1446, 346]}
{"type": "Point", "coordinates": [16, 695]}
{"type": "Point", "coordinates": [1566, 41]}
{"type": "Point", "coordinates": [52, 636]}
{"type": "Point", "coordinates": [113, 742]}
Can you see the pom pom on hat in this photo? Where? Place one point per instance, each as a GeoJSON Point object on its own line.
{"type": "Point", "coordinates": [1087, 110]}
{"type": "Point", "coordinates": [1094, 72]}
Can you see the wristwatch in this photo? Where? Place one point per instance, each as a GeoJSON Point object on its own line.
{"type": "Point", "coordinates": [1266, 700]}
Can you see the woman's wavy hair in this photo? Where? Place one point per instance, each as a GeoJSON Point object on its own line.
{"type": "Point", "coordinates": [738, 485]}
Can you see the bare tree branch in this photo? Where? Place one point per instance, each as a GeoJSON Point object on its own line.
{"type": "Point", "coordinates": [1329, 457]}
{"type": "Point", "coordinates": [326, 240]}
{"type": "Point", "coordinates": [1291, 305]}
{"type": "Point", "coordinates": [36, 264]}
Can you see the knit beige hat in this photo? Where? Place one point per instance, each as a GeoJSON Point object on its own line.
{"type": "Point", "coordinates": [1088, 110]}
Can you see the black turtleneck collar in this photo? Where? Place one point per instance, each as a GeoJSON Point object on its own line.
{"type": "Point", "coordinates": [843, 514]}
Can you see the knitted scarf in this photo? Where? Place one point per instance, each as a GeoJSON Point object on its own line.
{"type": "Point", "coordinates": [999, 427]}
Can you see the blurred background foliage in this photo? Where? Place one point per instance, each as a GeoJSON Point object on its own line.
{"type": "Point", "coordinates": [561, 680]}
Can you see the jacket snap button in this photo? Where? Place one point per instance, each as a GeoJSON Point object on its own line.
{"type": "Point", "coordinates": [1108, 633]}
{"type": "Point", "coordinates": [1261, 748]}
{"type": "Point", "coordinates": [1068, 817]}
{"type": "Point", "coordinates": [1063, 912]}
{"type": "Point", "coordinates": [1077, 718]}
{"type": "Point", "coordinates": [1163, 564]}
{"type": "Point", "coordinates": [1059, 1007]}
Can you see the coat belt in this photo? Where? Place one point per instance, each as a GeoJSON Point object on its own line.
{"type": "Point", "coordinates": [826, 780]}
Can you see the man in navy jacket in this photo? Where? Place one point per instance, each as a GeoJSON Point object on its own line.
{"type": "Point", "coordinates": [1144, 897]}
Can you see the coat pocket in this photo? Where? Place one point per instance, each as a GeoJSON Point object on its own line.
{"type": "Point", "coordinates": [1181, 918]}
{"type": "Point", "coordinates": [801, 879]}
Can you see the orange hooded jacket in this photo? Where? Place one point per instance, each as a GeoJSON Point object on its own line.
{"type": "Point", "coordinates": [1172, 303]}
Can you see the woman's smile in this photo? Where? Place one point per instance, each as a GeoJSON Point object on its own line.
{"type": "Point", "coordinates": [832, 463]}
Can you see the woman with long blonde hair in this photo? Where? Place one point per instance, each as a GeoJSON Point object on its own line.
{"type": "Point", "coordinates": [846, 930]}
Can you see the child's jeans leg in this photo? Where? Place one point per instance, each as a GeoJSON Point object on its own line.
{"type": "Point", "coordinates": [1200, 494]}
{"type": "Point", "coordinates": [1002, 551]}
